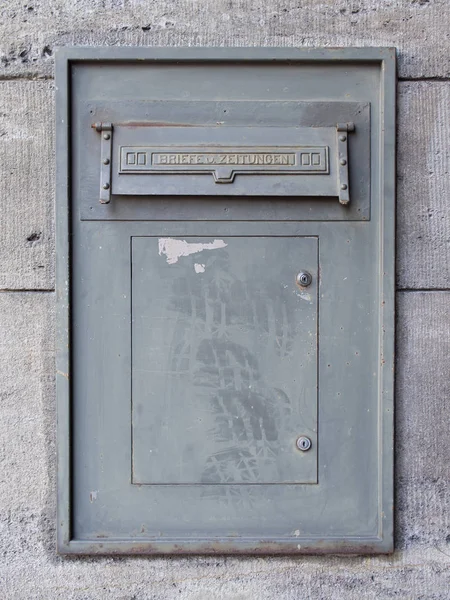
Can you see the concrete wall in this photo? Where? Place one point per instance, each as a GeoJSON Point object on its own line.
{"type": "Point", "coordinates": [29, 32]}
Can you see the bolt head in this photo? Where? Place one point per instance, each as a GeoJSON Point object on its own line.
{"type": "Point", "coordinates": [105, 186]}
{"type": "Point", "coordinates": [106, 161]}
{"type": "Point", "coordinates": [343, 161]}
{"type": "Point", "coordinates": [106, 136]}
{"type": "Point", "coordinates": [344, 186]}
{"type": "Point", "coordinates": [342, 138]}
{"type": "Point", "coordinates": [303, 443]}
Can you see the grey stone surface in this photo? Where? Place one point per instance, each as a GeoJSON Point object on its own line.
{"type": "Point", "coordinates": [29, 32]}
{"type": "Point", "coordinates": [423, 172]}
{"type": "Point", "coordinates": [26, 185]}
{"type": "Point", "coordinates": [422, 419]}
{"type": "Point", "coordinates": [29, 568]}
{"type": "Point", "coordinates": [31, 29]}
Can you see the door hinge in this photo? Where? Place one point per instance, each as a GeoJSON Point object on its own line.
{"type": "Point", "coordinates": [342, 130]}
{"type": "Point", "coordinates": [106, 130]}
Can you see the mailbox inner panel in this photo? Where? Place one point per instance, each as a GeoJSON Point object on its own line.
{"type": "Point", "coordinates": [224, 360]}
{"type": "Point", "coordinates": [225, 284]}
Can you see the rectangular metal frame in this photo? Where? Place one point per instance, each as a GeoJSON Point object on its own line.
{"type": "Point", "coordinates": [385, 58]}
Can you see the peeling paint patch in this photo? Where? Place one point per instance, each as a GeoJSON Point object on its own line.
{"type": "Point", "coordinates": [297, 532]}
{"type": "Point", "coordinates": [174, 249]}
{"type": "Point", "coordinates": [93, 496]}
{"type": "Point", "coordinates": [199, 268]}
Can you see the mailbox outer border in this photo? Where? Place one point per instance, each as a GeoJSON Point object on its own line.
{"type": "Point", "coordinates": [381, 543]}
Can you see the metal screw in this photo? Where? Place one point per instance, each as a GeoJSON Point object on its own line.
{"type": "Point", "coordinates": [342, 138]}
{"type": "Point", "coordinates": [106, 136]}
{"type": "Point", "coordinates": [304, 278]}
{"type": "Point", "coordinates": [106, 161]}
{"type": "Point", "coordinates": [106, 186]}
{"type": "Point", "coordinates": [303, 443]}
{"type": "Point", "coordinates": [343, 161]}
{"type": "Point", "coordinates": [344, 186]}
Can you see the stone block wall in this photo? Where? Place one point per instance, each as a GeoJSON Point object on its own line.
{"type": "Point", "coordinates": [30, 30]}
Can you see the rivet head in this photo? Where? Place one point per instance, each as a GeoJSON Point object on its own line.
{"type": "Point", "coordinates": [106, 136]}
{"type": "Point", "coordinates": [343, 161]}
{"type": "Point", "coordinates": [303, 443]}
{"type": "Point", "coordinates": [304, 278]}
{"type": "Point", "coordinates": [105, 186]}
{"type": "Point", "coordinates": [344, 186]}
{"type": "Point", "coordinates": [342, 138]}
{"type": "Point", "coordinates": [106, 161]}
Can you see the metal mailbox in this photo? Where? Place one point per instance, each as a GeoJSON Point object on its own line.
{"type": "Point", "coordinates": [225, 286]}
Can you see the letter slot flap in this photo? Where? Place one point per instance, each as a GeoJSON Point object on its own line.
{"type": "Point", "coordinates": [144, 159]}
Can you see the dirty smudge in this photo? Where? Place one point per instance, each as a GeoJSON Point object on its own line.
{"type": "Point", "coordinates": [243, 413]}
{"type": "Point", "coordinates": [174, 249]}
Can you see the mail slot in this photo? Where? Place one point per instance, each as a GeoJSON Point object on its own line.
{"type": "Point", "coordinates": [225, 300]}
{"type": "Point", "coordinates": [286, 161]}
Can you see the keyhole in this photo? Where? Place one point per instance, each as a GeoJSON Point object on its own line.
{"type": "Point", "coordinates": [304, 278]}
{"type": "Point", "coordinates": [304, 443]}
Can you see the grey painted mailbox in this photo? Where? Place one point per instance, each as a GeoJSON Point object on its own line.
{"type": "Point", "coordinates": [225, 283]}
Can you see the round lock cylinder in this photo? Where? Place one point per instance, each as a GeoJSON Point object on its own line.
{"type": "Point", "coordinates": [303, 443]}
{"type": "Point", "coordinates": [304, 279]}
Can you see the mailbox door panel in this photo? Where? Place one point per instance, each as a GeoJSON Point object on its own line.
{"type": "Point", "coordinates": [194, 186]}
{"type": "Point", "coordinates": [109, 505]}
{"type": "Point", "coordinates": [224, 360]}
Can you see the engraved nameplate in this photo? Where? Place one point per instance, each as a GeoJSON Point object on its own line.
{"type": "Point", "coordinates": [224, 162]}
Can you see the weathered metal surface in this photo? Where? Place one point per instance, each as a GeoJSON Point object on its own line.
{"type": "Point", "coordinates": [165, 290]}
{"type": "Point", "coordinates": [228, 348]}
